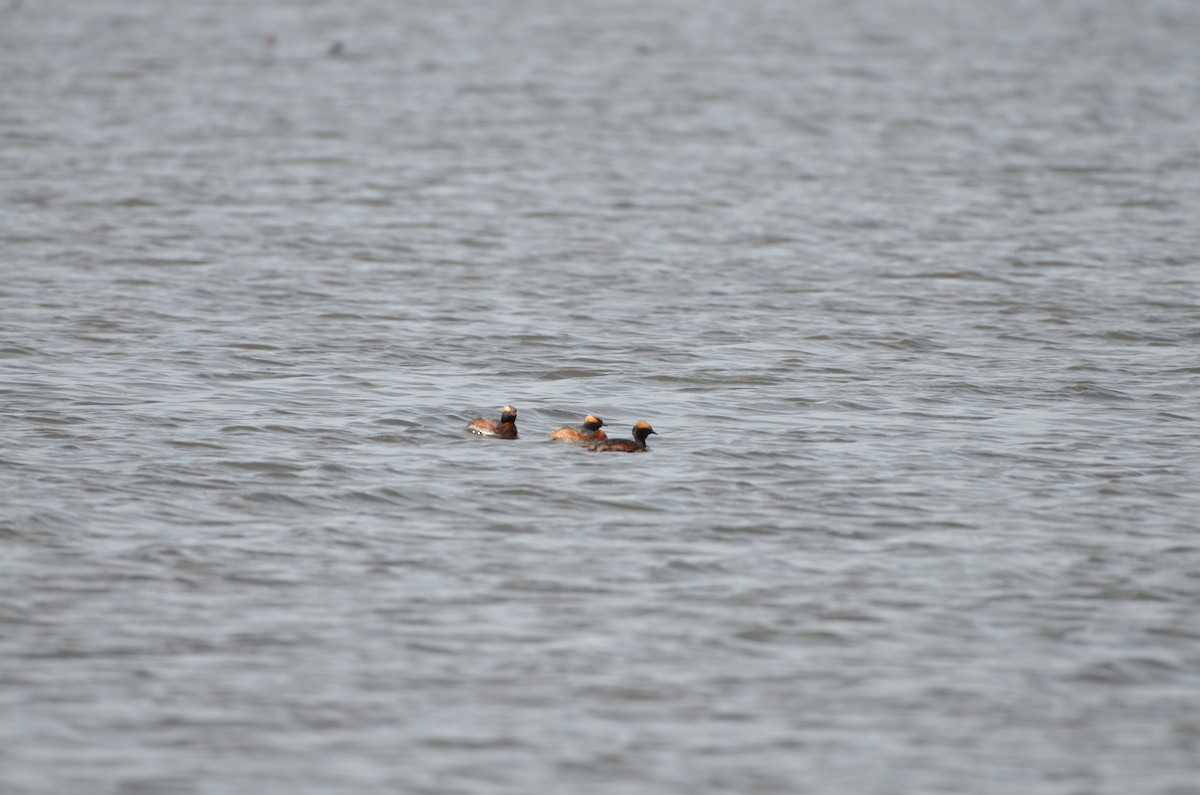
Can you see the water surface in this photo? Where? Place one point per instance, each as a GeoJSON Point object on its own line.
{"type": "Point", "coordinates": [909, 292]}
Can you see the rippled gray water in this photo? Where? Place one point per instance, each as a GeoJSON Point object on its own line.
{"type": "Point", "coordinates": [910, 292]}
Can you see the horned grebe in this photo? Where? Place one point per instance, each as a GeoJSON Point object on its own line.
{"type": "Point", "coordinates": [586, 433]}
{"type": "Point", "coordinates": [635, 445]}
{"type": "Point", "coordinates": [505, 429]}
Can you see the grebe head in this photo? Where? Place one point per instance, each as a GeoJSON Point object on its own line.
{"type": "Point", "coordinates": [642, 430]}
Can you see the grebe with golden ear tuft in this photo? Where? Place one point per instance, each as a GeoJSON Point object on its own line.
{"type": "Point", "coordinates": [635, 445]}
{"type": "Point", "coordinates": [505, 429]}
{"type": "Point", "coordinates": [586, 433]}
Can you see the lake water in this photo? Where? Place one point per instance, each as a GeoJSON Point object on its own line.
{"type": "Point", "coordinates": [910, 292]}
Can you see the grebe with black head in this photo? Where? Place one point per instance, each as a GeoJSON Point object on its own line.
{"type": "Point", "coordinates": [586, 433]}
{"type": "Point", "coordinates": [506, 428]}
{"type": "Point", "coordinates": [635, 445]}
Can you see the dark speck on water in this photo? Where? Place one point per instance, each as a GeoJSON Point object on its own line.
{"type": "Point", "coordinates": [911, 292]}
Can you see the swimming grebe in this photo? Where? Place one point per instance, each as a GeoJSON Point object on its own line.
{"type": "Point", "coordinates": [635, 445]}
{"type": "Point", "coordinates": [505, 429]}
{"type": "Point", "coordinates": [586, 433]}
